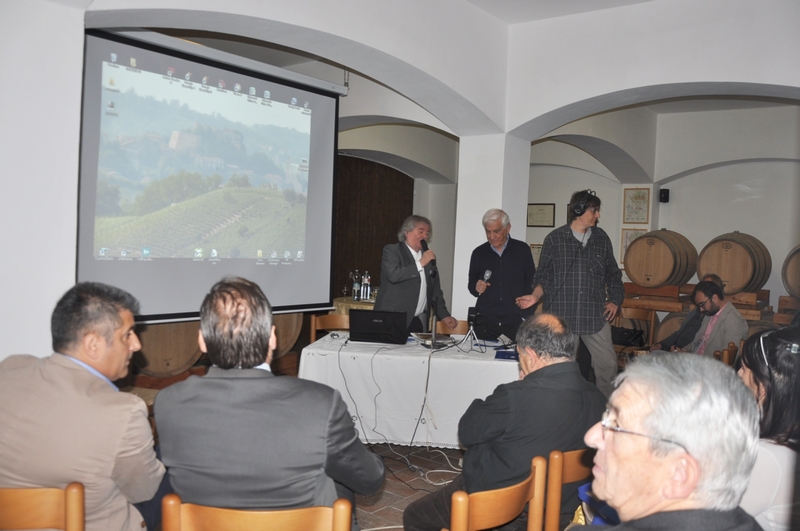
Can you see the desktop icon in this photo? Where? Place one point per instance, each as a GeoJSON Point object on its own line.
{"type": "Point", "coordinates": [205, 80]}
{"type": "Point", "coordinates": [305, 105]}
{"type": "Point", "coordinates": [294, 101]}
{"type": "Point", "coordinates": [123, 252]}
{"type": "Point", "coordinates": [198, 252]}
{"type": "Point", "coordinates": [252, 91]}
{"type": "Point", "coordinates": [274, 254]}
{"type": "Point", "coordinates": [286, 254]}
{"type": "Point", "coordinates": [170, 71]}
{"type": "Point", "coordinates": [237, 87]}
{"type": "Point", "coordinates": [103, 251]}
{"type": "Point", "coordinates": [266, 94]}
{"type": "Point", "coordinates": [113, 58]}
{"type": "Point", "coordinates": [259, 253]}
{"type": "Point", "coordinates": [133, 62]}
{"type": "Point", "coordinates": [188, 76]}
{"type": "Point", "coordinates": [146, 252]}
{"type": "Point", "coordinates": [221, 84]}
{"type": "Point", "coordinates": [213, 253]}
{"type": "Point", "coordinates": [299, 255]}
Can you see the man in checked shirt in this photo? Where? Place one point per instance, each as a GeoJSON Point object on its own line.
{"type": "Point", "coordinates": [579, 280]}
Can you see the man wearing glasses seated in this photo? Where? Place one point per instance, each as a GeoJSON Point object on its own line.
{"type": "Point", "coordinates": [676, 445]}
{"type": "Point", "coordinates": [722, 322]}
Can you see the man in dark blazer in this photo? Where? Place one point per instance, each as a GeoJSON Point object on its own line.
{"type": "Point", "coordinates": [549, 408]}
{"type": "Point", "coordinates": [239, 437]}
{"type": "Point", "coordinates": [409, 278]}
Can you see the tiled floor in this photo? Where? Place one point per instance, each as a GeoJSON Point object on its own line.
{"type": "Point", "coordinates": [403, 485]}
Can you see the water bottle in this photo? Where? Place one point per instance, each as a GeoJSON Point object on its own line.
{"type": "Point", "coordinates": [367, 286]}
{"type": "Point", "coordinates": [356, 287]}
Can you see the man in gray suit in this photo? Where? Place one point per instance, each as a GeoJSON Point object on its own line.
{"type": "Point", "coordinates": [409, 279]}
{"type": "Point", "coordinates": [63, 419]}
{"type": "Point", "coordinates": [722, 322]}
{"type": "Point", "coordinates": [241, 438]}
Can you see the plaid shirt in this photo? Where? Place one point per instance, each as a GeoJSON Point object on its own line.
{"type": "Point", "coordinates": [578, 281]}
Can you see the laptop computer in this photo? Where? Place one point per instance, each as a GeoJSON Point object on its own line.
{"type": "Point", "coordinates": [372, 326]}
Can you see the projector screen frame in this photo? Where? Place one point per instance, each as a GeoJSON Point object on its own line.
{"type": "Point", "coordinates": [170, 46]}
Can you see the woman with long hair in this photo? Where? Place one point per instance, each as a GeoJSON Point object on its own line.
{"type": "Point", "coordinates": [769, 365]}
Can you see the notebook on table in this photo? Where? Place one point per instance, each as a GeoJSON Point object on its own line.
{"type": "Point", "coordinates": [372, 326]}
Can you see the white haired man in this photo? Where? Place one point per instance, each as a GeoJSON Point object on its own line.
{"type": "Point", "coordinates": [500, 271]}
{"type": "Point", "coordinates": [676, 445]}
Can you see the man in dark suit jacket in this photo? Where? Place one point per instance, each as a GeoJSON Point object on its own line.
{"type": "Point", "coordinates": [549, 408]}
{"type": "Point", "coordinates": [406, 268]}
{"type": "Point", "coordinates": [242, 438]}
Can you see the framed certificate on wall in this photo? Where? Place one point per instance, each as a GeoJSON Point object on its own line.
{"type": "Point", "coordinates": [636, 209]}
{"type": "Point", "coordinates": [541, 214]}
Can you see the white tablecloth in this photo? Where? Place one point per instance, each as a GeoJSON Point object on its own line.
{"type": "Point", "coordinates": [384, 386]}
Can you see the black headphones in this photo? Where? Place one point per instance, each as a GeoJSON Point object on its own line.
{"type": "Point", "coordinates": [579, 208]}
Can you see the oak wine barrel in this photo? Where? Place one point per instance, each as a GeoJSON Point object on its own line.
{"type": "Point", "coordinates": [167, 349]}
{"type": "Point", "coordinates": [742, 262]}
{"type": "Point", "coordinates": [671, 324]}
{"type": "Point", "coordinates": [753, 327]}
{"type": "Point", "coordinates": [660, 258]}
{"type": "Point", "coordinates": [790, 273]}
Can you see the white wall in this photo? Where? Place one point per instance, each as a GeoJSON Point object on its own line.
{"type": "Point", "coordinates": [41, 54]}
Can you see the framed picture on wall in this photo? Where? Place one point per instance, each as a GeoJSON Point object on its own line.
{"type": "Point", "coordinates": [536, 251]}
{"type": "Point", "coordinates": [636, 209]}
{"type": "Point", "coordinates": [628, 235]}
{"type": "Point", "coordinates": [541, 214]}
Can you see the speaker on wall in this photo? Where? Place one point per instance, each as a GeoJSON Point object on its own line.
{"type": "Point", "coordinates": [663, 195]}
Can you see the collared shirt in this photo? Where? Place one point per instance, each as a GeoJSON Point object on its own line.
{"type": "Point", "coordinates": [505, 244]}
{"type": "Point", "coordinates": [264, 367]}
{"type": "Point", "coordinates": [578, 280]}
{"type": "Point", "coordinates": [91, 370]}
{"type": "Point", "coordinates": [422, 301]}
{"type": "Point", "coordinates": [711, 322]}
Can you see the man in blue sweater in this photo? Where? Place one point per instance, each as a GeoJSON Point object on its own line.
{"type": "Point", "coordinates": [500, 270]}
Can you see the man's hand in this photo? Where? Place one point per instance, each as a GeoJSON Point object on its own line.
{"type": "Point", "coordinates": [481, 286]}
{"type": "Point", "coordinates": [611, 311]}
{"type": "Point", "coordinates": [657, 346]}
{"type": "Point", "coordinates": [427, 256]}
{"type": "Point", "coordinates": [526, 301]}
{"type": "Point", "coordinates": [451, 322]}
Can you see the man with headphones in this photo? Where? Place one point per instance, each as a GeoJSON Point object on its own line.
{"type": "Point", "coordinates": [579, 280]}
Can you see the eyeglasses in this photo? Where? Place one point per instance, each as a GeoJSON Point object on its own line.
{"type": "Point", "coordinates": [611, 424]}
{"type": "Point", "coordinates": [700, 305]}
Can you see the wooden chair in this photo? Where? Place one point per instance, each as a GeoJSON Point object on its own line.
{"type": "Point", "coordinates": [492, 508]}
{"type": "Point", "coordinates": [564, 467]}
{"type": "Point", "coordinates": [178, 516]}
{"type": "Point", "coordinates": [332, 321]}
{"type": "Point", "coordinates": [461, 329]}
{"type": "Point", "coordinates": [43, 508]}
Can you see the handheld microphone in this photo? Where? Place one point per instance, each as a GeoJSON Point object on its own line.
{"type": "Point", "coordinates": [424, 245]}
{"type": "Point", "coordinates": [486, 276]}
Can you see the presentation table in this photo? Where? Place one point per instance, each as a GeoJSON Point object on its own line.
{"type": "Point", "coordinates": [404, 394]}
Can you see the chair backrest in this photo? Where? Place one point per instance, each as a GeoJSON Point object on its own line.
{"type": "Point", "coordinates": [492, 508]}
{"type": "Point", "coordinates": [461, 329]}
{"type": "Point", "coordinates": [332, 321]}
{"type": "Point", "coordinates": [43, 508]}
{"type": "Point", "coordinates": [564, 467]}
{"type": "Point", "coordinates": [178, 516]}
{"type": "Point", "coordinates": [638, 314]}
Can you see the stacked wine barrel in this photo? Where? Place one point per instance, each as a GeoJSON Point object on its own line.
{"type": "Point", "coordinates": [741, 260]}
{"type": "Point", "coordinates": [660, 258]}
{"type": "Point", "coordinates": [790, 273]}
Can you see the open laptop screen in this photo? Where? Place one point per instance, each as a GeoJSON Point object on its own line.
{"type": "Point", "coordinates": [373, 326]}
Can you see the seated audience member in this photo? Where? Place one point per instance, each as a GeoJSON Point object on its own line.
{"type": "Point", "coordinates": [549, 408]}
{"type": "Point", "coordinates": [240, 437]}
{"type": "Point", "coordinates": [676, 445]}
{"type": "Point", "coordinates": [409, 279]}
{"type": "Point", "coordinates": [64, 420]}
{"type": "Point", "coordinates": [769, 366]}
{"type": "Point", "coordinates": [688, 329]}
{"type": "Point", "coordinates": [722, 322]}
